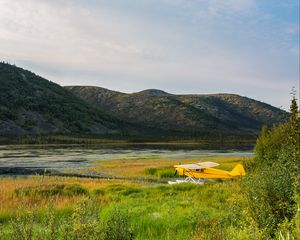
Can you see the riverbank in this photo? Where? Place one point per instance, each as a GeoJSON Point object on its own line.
{"type": "Point", "coordinates": [216, 142]}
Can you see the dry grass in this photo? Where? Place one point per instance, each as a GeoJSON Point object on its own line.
{"type": "Point", "coordinates": [10, 202]}
{"type": "Point", "coordinates": [136, 167]}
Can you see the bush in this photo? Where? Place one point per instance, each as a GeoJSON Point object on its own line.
{"type": "Point", "coordinates": [272, 186]}
{"type": "Point", "coordinates": [270, 195]}
{"type": "Point", "coordinates": [117, 226]}
{"type": "Point", "coordinates": [84, 222]}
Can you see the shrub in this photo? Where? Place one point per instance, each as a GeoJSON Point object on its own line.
{"type": "Point", "coordinates": [160, 172]}
{"type": "Point", "coordinates": [270, 196]}
{"type": "Point", "coordinates": [165, 173]}
{"type": "Point", "coordinates": [273, 183]}
{"type": "Point", "coordinates": [23, 226]}
{"type": "Point", "coordinates": [130, 191]}
{"type": "Point", "coordinates": [150, 171]}
{"type": "Point", "coordinates": [52, 190]}
{"type": "Point", "coordinates": [99, 192]}
{"type": "Point", "coordinates": [117, 226]}
{"type": "Point", "coordinates": [84, 222]}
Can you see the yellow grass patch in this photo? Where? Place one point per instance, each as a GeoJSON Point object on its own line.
{"type": "Point", "coordinates": [136, 167]}
{"type": "Point", "coordinates": [10, 202]}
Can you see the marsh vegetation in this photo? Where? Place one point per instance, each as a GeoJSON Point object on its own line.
{"type": "Point", "coordinates": [36, 207]}
{"type": "Point", "coordinates": [89, 209]}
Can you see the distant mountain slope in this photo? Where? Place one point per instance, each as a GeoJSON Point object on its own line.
{"type": "Point", "coordinates": [30, 104]}
{"type": "Point", "coordinates": [189, 114]}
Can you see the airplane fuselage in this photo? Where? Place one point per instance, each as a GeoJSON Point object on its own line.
{"type": "Point", "coordinates": [237, 172]}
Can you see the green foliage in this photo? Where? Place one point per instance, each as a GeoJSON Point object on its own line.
{"type": "Point", "coordinates": [160, 172]}
{"type": "Point", "coordinates": [294, 118]}
{"type": "Point", "coordinates": [23, 227]}
{"type": "Point", "coordinates": [166, 173]}
{"type": "Point", "coordinates": [270, 196]}
{"type": "Point", "coordinates": [83, 223]}
{"type": "Point", "coordinates": [52, 190]}
{"type": "Point", "coordinates": [142, 212]}
{"type": "Point", "coordinates": [117, 226]}
{"type": "Point", "coordinates": [270, 144]}
{"type": "Point", "coordinates": [289, 229]}
{"type": "Point", "coordinates": [272, 186]}
{"type": "Point", "coordinates": [150, 171]}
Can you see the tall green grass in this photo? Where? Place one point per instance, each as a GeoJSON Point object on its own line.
{"type": "Point", "coordinates": [52, 190]}
{"type": "Point", "coordinates": [118, 211]}
{"type": "Point", "coordinates": [160, 172]}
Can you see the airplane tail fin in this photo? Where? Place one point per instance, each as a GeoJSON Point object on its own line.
{"type": "Point", "coordinates": [238, 170]}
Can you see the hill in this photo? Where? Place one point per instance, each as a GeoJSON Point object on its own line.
{"type": "Point", "coordinates": [30, 104]}
{"type": "Point", "coordinates": [190, 115]}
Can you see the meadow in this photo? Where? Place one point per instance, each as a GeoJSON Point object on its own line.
{"type": "Point", "coordinates": [44, 207]}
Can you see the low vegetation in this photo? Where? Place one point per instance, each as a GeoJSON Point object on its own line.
{"type": "Point", "coordinates": [160, 172]}
{"type": "Point", "coordinates": [272, 187]}
{"type": "Point", "coordinates": [72, 208]}
{"type": "Point", "coordinates": [103, 209]}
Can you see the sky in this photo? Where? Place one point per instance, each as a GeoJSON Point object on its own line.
{"type": "Point", "coordinates": [245, 47]}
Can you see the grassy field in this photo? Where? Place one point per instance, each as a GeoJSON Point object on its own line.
{"type": "Point", "coordinates": [42, 207]}
{"type": "Point", "coordinates": [156, 167]}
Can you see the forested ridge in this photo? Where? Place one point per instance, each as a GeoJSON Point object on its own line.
{"type": "Point", "coordinates": [32, 106]}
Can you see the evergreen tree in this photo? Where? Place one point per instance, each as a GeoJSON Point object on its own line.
{"type": "Point", "coordinates": [295, 140]}
{"type": "Point", "coordinates": [294, 118]}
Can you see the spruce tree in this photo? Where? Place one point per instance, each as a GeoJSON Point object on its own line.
{"type": "Point", "coordinates": [295, 140]}
{"type": "Point", "coordinates": [294, 118]}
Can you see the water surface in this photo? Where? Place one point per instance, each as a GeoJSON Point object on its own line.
{"type": "Point", "coordinates": [68, 157]}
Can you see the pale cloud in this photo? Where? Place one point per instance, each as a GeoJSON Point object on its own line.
{"type": "Point", "coordinates": [219, 5]}
{"type": "Point", "coordinates": [292, 29]}
{"type": "Point", "coordinates": [230, 6]}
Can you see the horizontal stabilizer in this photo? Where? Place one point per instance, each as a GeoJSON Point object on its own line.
{"type": "Point", "coordinates": [238, 170]}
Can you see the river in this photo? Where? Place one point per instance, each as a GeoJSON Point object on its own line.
{"type": "Point", "coordinates": [71, 157]}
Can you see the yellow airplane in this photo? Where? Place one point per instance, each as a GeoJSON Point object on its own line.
{"type": "Point", "coordinates": [196, 172]}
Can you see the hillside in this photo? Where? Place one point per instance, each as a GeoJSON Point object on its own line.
{"type": "Point", "coordinates": [30, 104]}
{"type": "Point", "coordinates": [191, 115]}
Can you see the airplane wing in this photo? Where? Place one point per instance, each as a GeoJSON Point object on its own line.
{"type": "Point", "coordinates": [189, 166]}
{"type": "Point", "coordinates": [208, 164]}
{"type": "Point", "coordinates": [196, 166]}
